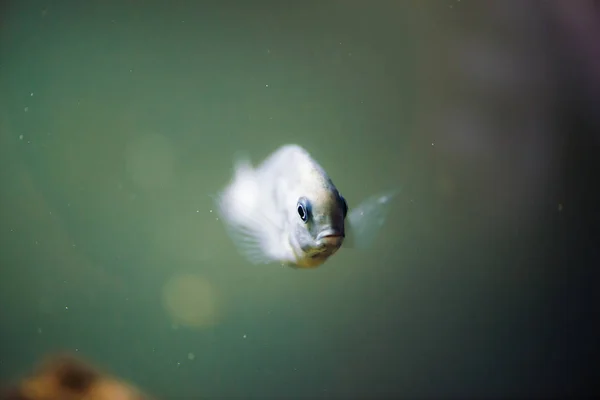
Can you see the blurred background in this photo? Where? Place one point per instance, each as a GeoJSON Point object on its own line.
{"type": "Point", "coordinates": [119, 119]}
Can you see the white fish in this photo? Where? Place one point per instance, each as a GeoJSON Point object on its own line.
{"type": "Point", "coordinates": [288, 210]}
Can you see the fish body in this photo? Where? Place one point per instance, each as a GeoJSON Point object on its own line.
{"type": "Point", "coordinates": [287, 210]}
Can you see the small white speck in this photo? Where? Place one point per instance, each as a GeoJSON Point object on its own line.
{"type": "Point", "coordinates": [197, 211]}
{"type": "Point", "coordinates": [266, 85]}
{"type": "Point", "coordinates": [209, 210]}
{"type": "Point", "coordinates": [26, 109]}
{"type": "Point", "coordinates": [130, 70]}
{"type": "Point", "coordinates": [31, 94]}
{"type": "Point", "coordinates": [178, 364]}
{"type": "Point", "coordinates": [384, 199]}
{"type": "Point", "coordinates": [76, 349]}
{"type": "Point", "coordinates": [244, 336]}
{"type": "Point", "coordinates": [66, 308]}
{"type": "Point", "coordinates": [433, 144]}
{"type": "Point", "coordinates": [21, 137]}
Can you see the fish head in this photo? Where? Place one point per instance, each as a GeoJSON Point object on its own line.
{"type": "Point", "coordinates": [317, 223]}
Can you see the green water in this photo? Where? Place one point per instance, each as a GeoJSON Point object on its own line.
{"type": "Point", "coordinates": [118, 120]}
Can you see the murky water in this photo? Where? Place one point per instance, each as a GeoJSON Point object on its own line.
{"type": "Point", "coordinates": [118, 122]}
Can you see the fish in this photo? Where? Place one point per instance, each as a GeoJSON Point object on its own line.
{"type": "Point", "coordinates": [287, 210]}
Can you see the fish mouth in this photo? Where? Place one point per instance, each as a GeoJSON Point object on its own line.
{"type": "Point", "coordinates": [330, 238]}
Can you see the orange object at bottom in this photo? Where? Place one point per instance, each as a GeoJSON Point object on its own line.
{"type": "Point", "coordinates": [65, 377]}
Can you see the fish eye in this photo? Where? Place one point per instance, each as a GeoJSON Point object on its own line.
{"type": "Point", "coordinates": [344, 206]}
{"type": "Point", "coordinates": [302, 211]}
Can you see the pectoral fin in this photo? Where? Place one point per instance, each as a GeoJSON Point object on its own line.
{"type": "Point", "coordinates": [364, 221]}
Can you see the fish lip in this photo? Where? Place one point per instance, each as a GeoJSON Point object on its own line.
{"type": "Point", "coordinates": [330, 237]}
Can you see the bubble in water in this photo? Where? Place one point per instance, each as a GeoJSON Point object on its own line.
{"type": "Point", "coordinates": [191, 301]}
